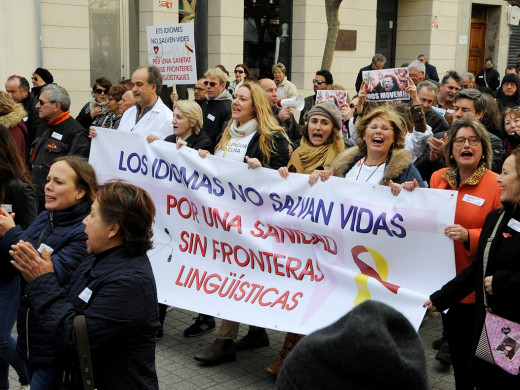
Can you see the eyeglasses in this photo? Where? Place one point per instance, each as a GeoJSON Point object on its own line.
{"type": "Point", "coordinates": [212, 84]}
{"type": "Point", "coordinates": [460, 141]}
{"type": "Point", "coordinates": [239, 71]}
{"type": "Point", "coordinates": [101, 91]}
{"type": "Point", "coordinates": [199, 89]}
{"type": "Point", "coordinates": [382, 127]}
{"type": "Point", "coordinates": [319, 82]}
{"type": "Point", "coordinates": [42, 102]}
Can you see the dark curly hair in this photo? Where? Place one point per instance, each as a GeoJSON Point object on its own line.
{"type": "Point", "coordinates": [132, 209]}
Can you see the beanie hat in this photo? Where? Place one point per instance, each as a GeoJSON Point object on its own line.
{"type": "Point", "coordinates": [510, 78]}
{"type": "Point", "coordinates": [372, 347]}
{"type": "Point", "coordinates": [328, 109]}
{"type": "Point", "coordinates": [45, 75]}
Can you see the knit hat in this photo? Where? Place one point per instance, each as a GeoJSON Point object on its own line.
{"type": "Point", "coordinates": [45, 75]}
{"type": "Point", "coordinates": [327, 109]}
{"type": "Point", "coordinates": [372, 347]}
{"type": "Point", "coordinates": [510, 78]}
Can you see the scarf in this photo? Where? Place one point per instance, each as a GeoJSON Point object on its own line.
{"type": "Point", "coordinates": [308, 158]}
{"type": "Point", "coordinates": [60, 118]}
{"type": "Point", "coordinates": [241, 131]}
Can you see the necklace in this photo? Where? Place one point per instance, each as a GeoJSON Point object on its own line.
{"type": "Point", "coordinates": [233, 144]}
{"type": "Point", "coordinates": [361, 167]}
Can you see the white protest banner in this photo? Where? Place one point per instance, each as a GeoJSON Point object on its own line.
{"type": "Point", "coordinates": [172, 49]}
{"type": "Point", "coordinates": [386, 84]}
{"type": "Point", "coordinates": [249, 246]}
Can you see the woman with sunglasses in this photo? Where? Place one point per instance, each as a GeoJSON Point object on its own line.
{"type": "Point", "coordinates": [468, 154]}
{"type": "Point", "coordinates": [241, 73]}
{"type": "Point", "coordinates": [95, 111]}
{"type": "Point", "coordinates": [40, 78]}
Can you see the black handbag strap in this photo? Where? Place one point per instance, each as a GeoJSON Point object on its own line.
{"type": "Point", "coordinates": [486, 255]}
{"type": "Point", "coordinates": [85, 361]}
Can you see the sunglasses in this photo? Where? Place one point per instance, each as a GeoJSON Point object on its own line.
{"type": "Point", "coordinates": [212, 84]}
{"type": "Point", "coordinates": [34, 78]}
{"type": "Point", "coordinates": [319, 82]}
{"type": "Point", "coordinates": [239, 71]}
{"type": "Point", "coordinates": [101, 91]}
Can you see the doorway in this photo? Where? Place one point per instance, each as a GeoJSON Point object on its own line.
{"type": "Point", "coordinates": [386, 30]}
{"type": "Point", "coordinates": [477, 39]}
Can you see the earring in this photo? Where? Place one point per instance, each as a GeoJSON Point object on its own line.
{"type": "Point", "coordinates": [451, 157]}
{"type": "Point", "coordinates": [482, 158]}
{"type": "Point", "coordinates": [78, 198]}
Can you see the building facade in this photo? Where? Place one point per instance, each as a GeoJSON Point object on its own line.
{"type": "Point", "coordinates": [80, 40]}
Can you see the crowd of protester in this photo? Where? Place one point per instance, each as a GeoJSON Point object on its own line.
{"type": "Point", "coordinates": [64, 237]}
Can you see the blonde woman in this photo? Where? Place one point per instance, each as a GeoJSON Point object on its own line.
{"type": "Point", "coordinates": [252, 136]}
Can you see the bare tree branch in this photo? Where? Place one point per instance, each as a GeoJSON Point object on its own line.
{"type": "Point", "coordinates": [332, 10]}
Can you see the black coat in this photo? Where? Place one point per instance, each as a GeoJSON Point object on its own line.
{"type": "Point", "coordinates": [22, 200]}
{"type": "Point", "coordinates": [504, 266]}
{"type": "Point", "coordinates": [359, 79]}
{"type": "Point", "coordinates": [492, 78]}
{"type": "Point", "coordinates": [216, 114]}
{"type": "Point", "coordinates": [309, 103]}
{"type": "Point", "coordinates": [64, 232]}
{"type": "Point", "coordinates": [65, 138]}
{"type": "Point", "coordinates": [292, 129]}
{"type": "Point", "coordinates": [121, 314]}
{"type": "Point", "coordinates": [32, 122]}
{"type": "Point", "coordinates": [195, 141]}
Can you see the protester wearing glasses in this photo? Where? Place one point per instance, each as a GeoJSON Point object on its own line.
{"type": "Point", "coordinates": [40, 78]}
{"type": "Point", "coordinates": [59, 136]}
{"type": "Point", "coordinates": [241, 73]}
{"type": "Point", "coordinates": [322, 80]}
{"type": "Point", "coordinates": [508, 95]}
{"type": "Point", "coordinates": [216, 109]}
{"type": "Point", "coordinates": [199, 91]}
{"type": "Point", "coordinates": [380, 157]}
{"type": "Point", "coordinates": [284, 87]}
{"type": "Point", "coordinates": [468, 154]}
{"type": "Point", "coordinates": [95, 111]}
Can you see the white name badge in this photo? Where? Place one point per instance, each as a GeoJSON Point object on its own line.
{"type": "Point", "coordinates": [42, 245]}
{"type": "Point", "coordinates": [85, 295]}
{"type": "Point", "coordinates": [514, 224]}
{"type": "Point", "coordinates": [57, 136]}
{"type": "Point", "coordinates": [473, 200]}
{"type": "Point", "coordinates": [211, 117]}
{"type": "Point", "coordinates": [7, 207]}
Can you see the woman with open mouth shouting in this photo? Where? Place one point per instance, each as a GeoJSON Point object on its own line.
{"type": "Point", "coordinates": [380, 157]}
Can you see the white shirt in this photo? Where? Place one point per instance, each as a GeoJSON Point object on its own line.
{"type": "Point", "coordinates": [157, 121]}
{"type": "Point", "coordinates": [372, 174]}
{"type": "Point", "coordinates": [416, 142]}
{"type": "Point", "coordinates": [236, 148]}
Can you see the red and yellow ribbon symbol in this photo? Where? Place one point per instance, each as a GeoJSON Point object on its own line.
{"type": "Point", "coordinates": [380, 273]}
{"type": "Point", "coordinates": [189, 49]}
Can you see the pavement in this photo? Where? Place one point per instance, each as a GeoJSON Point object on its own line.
{"type": "Point", "coordinates": [176, 368]}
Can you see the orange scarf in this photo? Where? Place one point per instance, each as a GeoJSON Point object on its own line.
{"type": "Point", "coordinates": [60, 118]}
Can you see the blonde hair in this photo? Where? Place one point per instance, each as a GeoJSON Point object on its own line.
{"type": "Point", "coordinates": [267, 123]}
{"type": "Point", "coordinates": [192, 111]}
{"type": "Point", "coordinates": [396, 121]}
{"type": "Point", "coordinates": [7, 104]}
{"type": "Point", "coordinates": [216, 73]}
